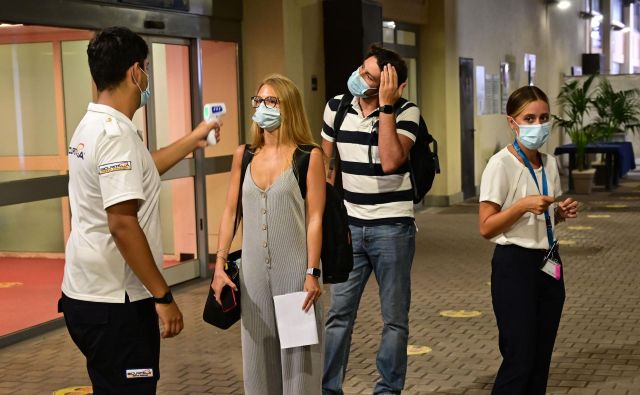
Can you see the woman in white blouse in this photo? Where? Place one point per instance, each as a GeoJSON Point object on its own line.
{"type": "Point", "coordinates": [518, 212]}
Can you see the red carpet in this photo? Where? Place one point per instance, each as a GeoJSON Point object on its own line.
{"type": "Point", "coordinates": [36, 300]}
{"type": "Point", "coordinates": [29, 291]}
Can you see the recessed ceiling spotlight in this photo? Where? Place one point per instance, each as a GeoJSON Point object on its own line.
{"type": "Point", "coordinates": [564, 4]}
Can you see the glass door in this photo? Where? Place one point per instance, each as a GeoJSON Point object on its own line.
{"type": "Point", "coordinates": [220, 84]}
{"type": "Point", "coordinates": [170, 119]}
{"type": "Point", "coordinates": [46, 87]}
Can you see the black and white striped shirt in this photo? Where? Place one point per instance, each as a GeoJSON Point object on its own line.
{"type": "Point", "coordinates": [371, 196]}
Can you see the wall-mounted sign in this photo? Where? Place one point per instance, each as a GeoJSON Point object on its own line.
{"type": "Point", "coordinates": [530, 67]}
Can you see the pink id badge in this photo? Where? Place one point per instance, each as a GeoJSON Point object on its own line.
{"type": "Point", "coordinates": [552, 268]}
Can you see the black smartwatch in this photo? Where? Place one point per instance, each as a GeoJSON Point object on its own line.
{"type": "Point", "coordinates": [166, 299]}
{"type": "Point", "coordinates": [386, 109]}
{"type": "Point", "coordinates": [312, 271]}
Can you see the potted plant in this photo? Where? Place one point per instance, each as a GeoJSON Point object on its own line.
{"type": "Point", "coordinates": [618, 112]}
{"type": "Point", "coordinates": [576, 102]}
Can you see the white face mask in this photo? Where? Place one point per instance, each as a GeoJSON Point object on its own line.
{"type": "Point", "coordinates": [267, 118]}
{"type": "Point", "coordinates": [144, 94]}
{"type": "Point", "coordinates": [534, 136]}
{"type": "Point", "coordinates": [358, 86]}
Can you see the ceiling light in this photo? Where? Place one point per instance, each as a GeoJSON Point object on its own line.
{"type": "Point", "coordinates": [564, 4]}
{"type": "Point", "coordinates": [389, 24]}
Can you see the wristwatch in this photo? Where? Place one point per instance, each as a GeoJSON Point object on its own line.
{"type": "Point", "coordinates": [314, 272]}
{"type": "Point", "coordinates": [166, 299]}
{"type": "Point", "coordinates": [386, 109]}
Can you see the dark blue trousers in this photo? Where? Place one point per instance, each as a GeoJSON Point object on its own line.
{"type": "Point", "coordinates": [527, 304]}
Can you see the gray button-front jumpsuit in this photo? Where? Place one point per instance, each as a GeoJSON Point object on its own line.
{"type": "Point", "coordinates": [274, 262]}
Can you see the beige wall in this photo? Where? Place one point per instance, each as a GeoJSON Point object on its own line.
{"type": "Point", "coordinates": [262, 47]}
{"type": "Point", "coordinates": [489, 32]}
{"type": "Point", "coordinates": [284, 37]}
{"type": "Point", "coordinates": [409, 11]}
{"type": "Point", "coordinates": [312, 51]}
{"type": "Point", "coordinates": [439, 95]}
{"type": "Point", "coordinates": [508, 29]}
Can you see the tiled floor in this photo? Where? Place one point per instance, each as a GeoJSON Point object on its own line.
{"type": "Point", "coordinates": [597, 351]}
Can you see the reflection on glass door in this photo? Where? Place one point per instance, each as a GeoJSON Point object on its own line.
{"type": "Point", "coordinates": [172, 119]}
{"type": "Point", "coordinates": [46, 87]}
{"type": "Point", "coordinates": [220, 84]}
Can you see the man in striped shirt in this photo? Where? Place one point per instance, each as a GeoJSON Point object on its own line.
{"type": "Point", "coordinates": [374, 141]}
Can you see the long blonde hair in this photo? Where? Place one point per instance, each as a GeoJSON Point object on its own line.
{"type": "Point", "coordinates": [294, 125]}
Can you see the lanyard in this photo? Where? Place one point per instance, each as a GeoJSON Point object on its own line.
{"type": "Point", "coordinates": [547, 217]}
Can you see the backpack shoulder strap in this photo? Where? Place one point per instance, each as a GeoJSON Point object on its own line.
{"type": "Point", "coordinates": [400, 103]}
{"type": "Point", "coordinates": [341, 113]}
{"type": "Point", "coordinates": [301, 159]}
{"type": "Point", "coordinates": [247, 156]}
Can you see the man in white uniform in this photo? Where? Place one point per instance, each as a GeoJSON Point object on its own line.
{"type": "Point", "coordinates": [113, 292]}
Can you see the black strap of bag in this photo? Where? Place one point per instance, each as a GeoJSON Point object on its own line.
{"type": "Point", "coordinates": [247, 156]}
{"type": "Point", "coordinates": [334, 164]}
{"type": "Point", "coordinates": [213, 312]}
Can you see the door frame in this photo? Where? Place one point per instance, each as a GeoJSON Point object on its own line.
{"type": "Point", "coordinates": [467, 133]}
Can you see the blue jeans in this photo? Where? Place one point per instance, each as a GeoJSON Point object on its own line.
{"type": "Point", "coordinates": [388, 251]}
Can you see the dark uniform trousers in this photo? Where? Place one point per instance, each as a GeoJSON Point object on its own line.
{"type": "Point", "coordinates": [527, 304]}
{"type": "Point", "coordinates": [121, 342]}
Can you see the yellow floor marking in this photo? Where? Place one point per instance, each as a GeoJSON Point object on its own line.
{"type": "Point", "coordinates": [616, 206]}
{"type": "Point", "coordinates": [10, 284]}
{"type": "Point", "coordinates": [598, 216]}
{"type": "Point", "coordinates": [418, 350]}
{"type": "Point", "coordinates": [580, 227]}
{"type": "Point", "coordinates": [74, 391]}
{"type": "Point", "coordinates": [630, 198]}
{"type": "Point", "coordinates": [460, 313]}
{"type": "Point", "coordinates": [567, 242]}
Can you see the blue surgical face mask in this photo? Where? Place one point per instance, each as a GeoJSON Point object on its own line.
{"type": "Point", "coordinates": [357, 85]}
{"type": "Point", "coordinates": [534, 136]}
{"type": "Point", "coordinates": [144, 94]}
{"type": "Point", "coordinates": [267, 118]}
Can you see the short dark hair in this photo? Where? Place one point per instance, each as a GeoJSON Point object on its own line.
{"type": "Point", "coordinates": [386, 56]}
{"type": "Point", "coordinates": [522, 96]}
{"type": "Point", "coordinates": [111, 52]}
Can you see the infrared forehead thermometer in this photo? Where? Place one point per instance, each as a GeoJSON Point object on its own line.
{"type": "Point", "coordinates": [213, 112]}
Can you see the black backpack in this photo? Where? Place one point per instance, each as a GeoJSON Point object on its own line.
{"type": "Point", "coordinates": [336, 253]}
{"type": "Point", "coordinates": [423, 163]}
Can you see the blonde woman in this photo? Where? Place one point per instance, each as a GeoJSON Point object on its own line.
{"type": "Point", "coordinates": [282, 237]}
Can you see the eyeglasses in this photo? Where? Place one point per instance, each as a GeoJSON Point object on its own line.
{"type": "Point", "coordinates": [269, 101]}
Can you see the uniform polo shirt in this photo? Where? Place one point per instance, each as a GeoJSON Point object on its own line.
{"type": "Point", "coordinates": [108, 164]}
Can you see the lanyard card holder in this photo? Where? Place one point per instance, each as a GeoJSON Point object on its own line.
{"type": "Point", "coordinates": [551, 264]}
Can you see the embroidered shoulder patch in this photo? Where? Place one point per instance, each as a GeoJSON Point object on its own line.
{"type": "Point", "coordinates": [114, 166]}
{"type": "Point", "coordinates": [138, 373]}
